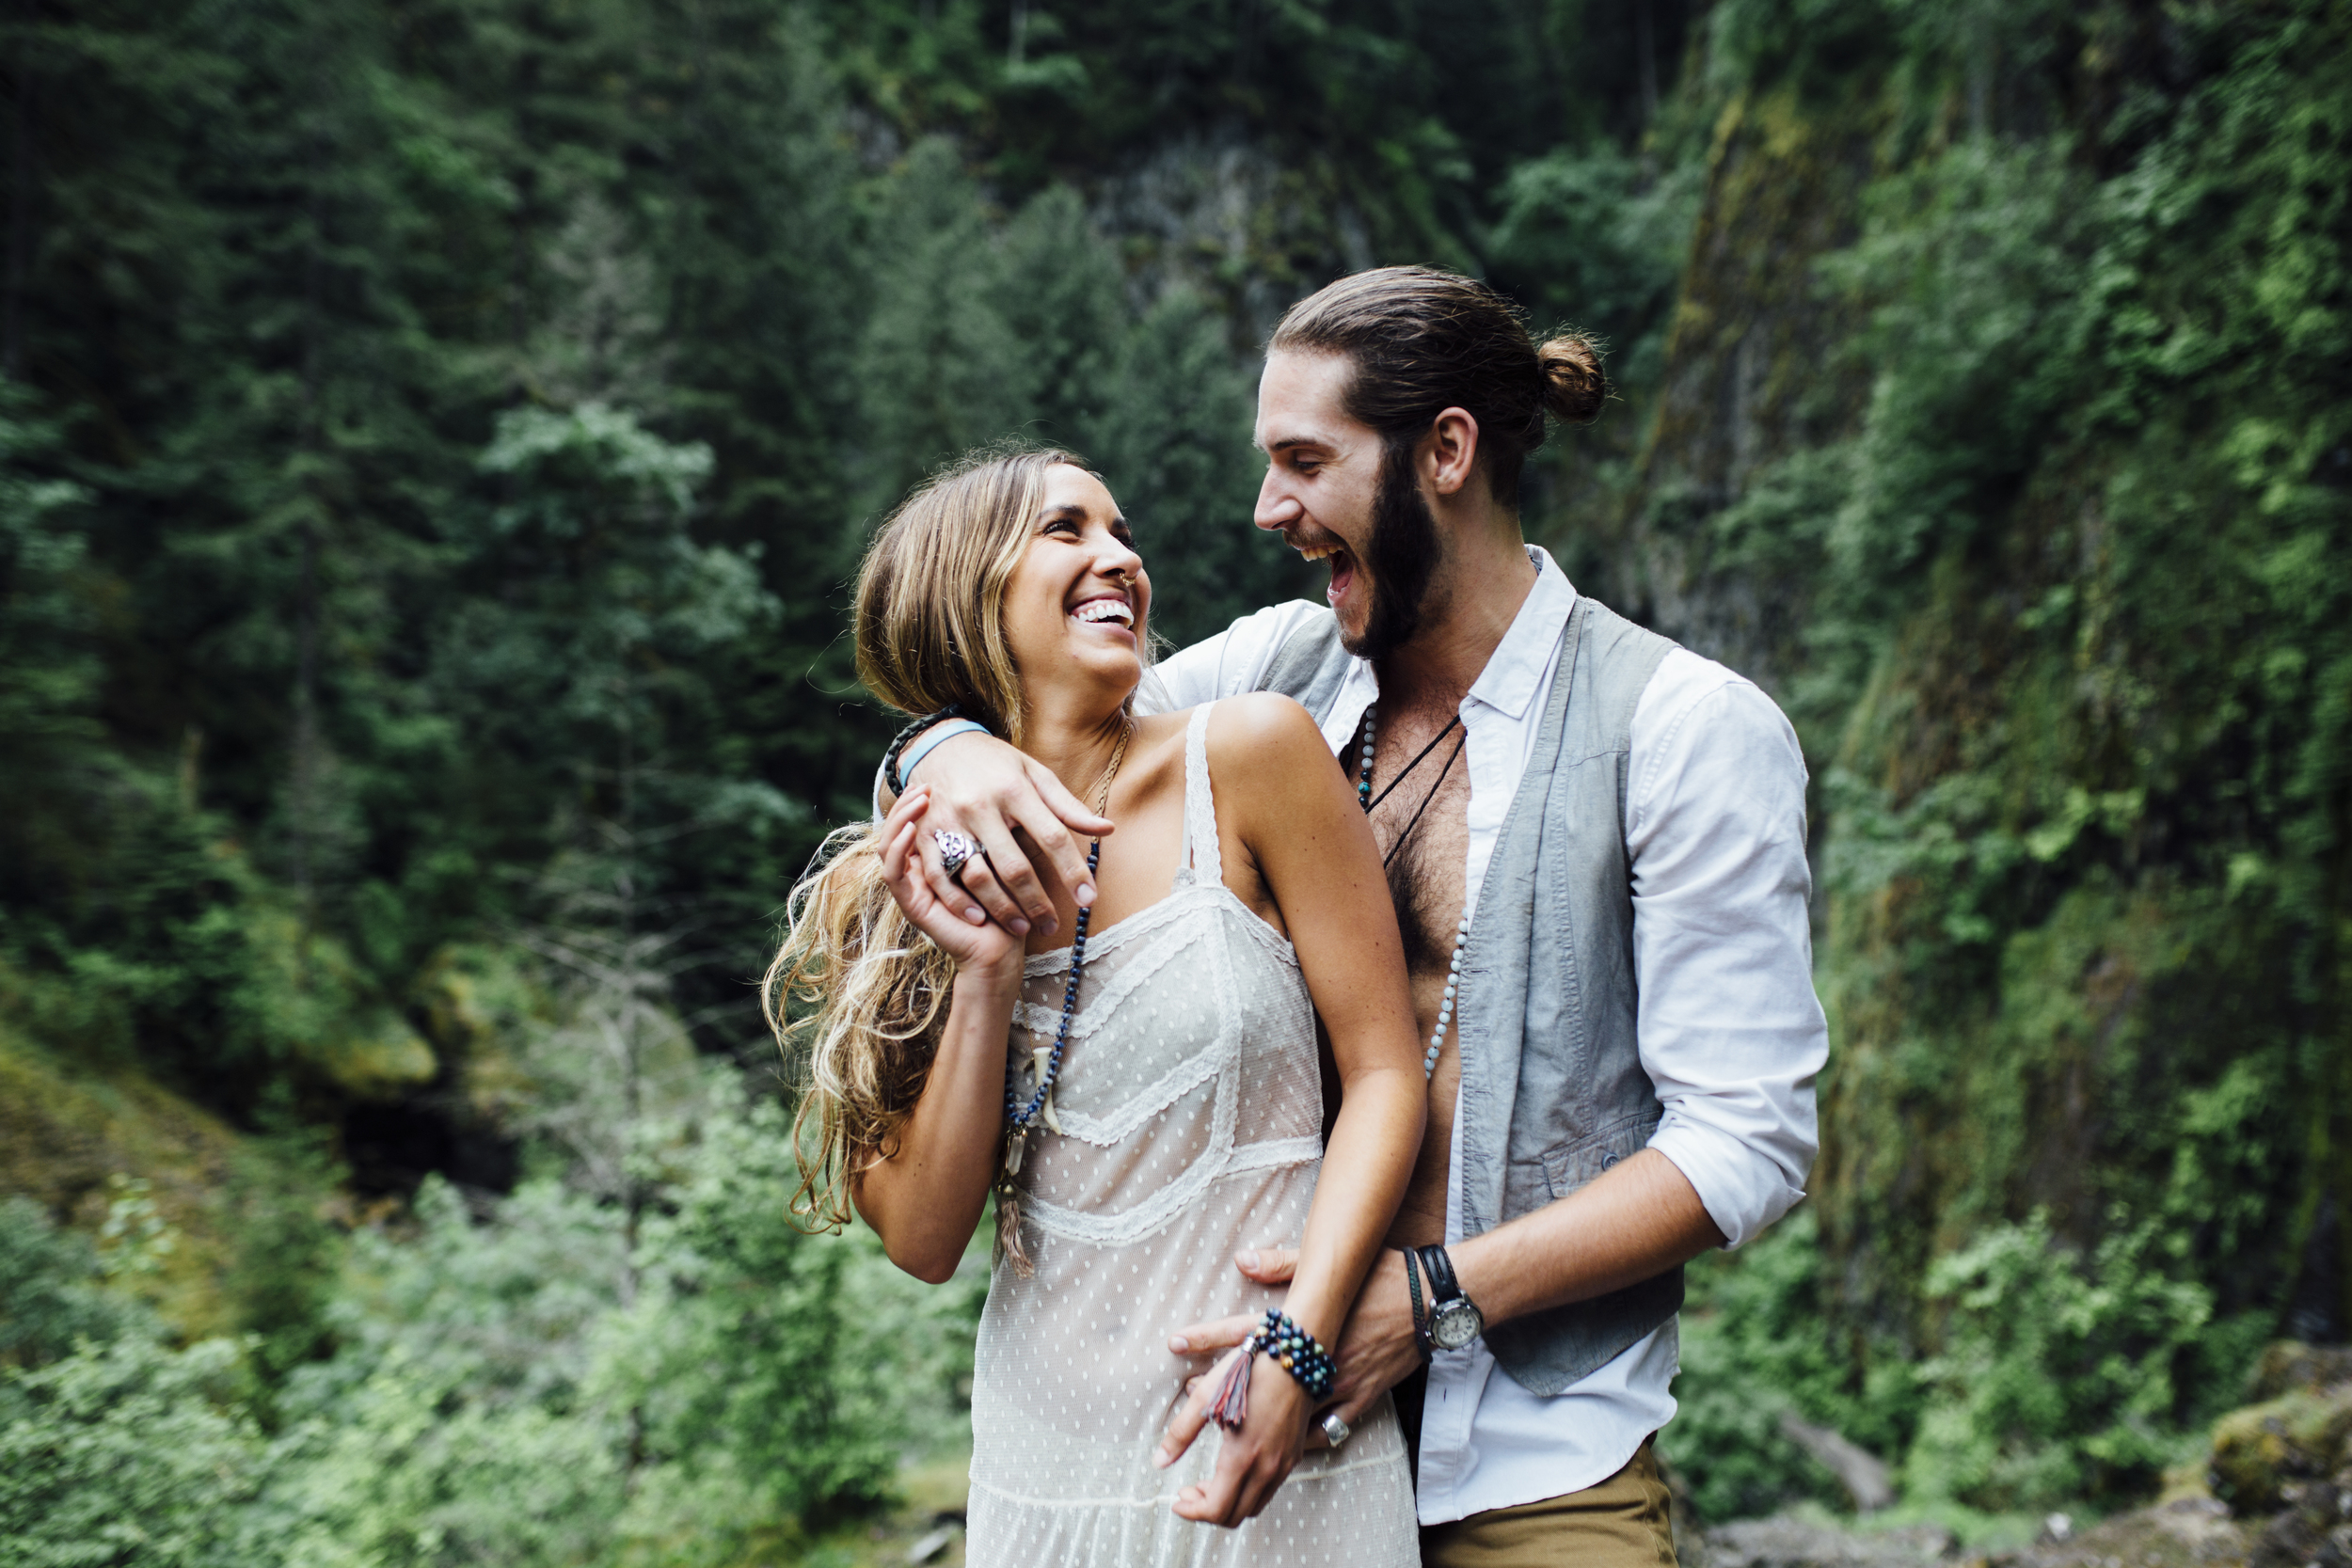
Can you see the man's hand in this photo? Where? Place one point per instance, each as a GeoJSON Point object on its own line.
{"type": "Point", "coordinates": [987, 790]}
{"type": "Point", "coordinates": [1375, 1353]}
{"type": "Point", "coordinates": [980, 950]}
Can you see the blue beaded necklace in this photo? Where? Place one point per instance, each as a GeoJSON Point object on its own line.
{"type": "Point", "coordinates": [1020, 1117]}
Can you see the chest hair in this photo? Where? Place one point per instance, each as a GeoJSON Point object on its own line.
{"type": "Point", "coordinates": [1423, 829]}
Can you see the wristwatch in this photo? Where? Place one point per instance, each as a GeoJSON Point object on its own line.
{"type": "Point", "coordinates": [1455, 1320]}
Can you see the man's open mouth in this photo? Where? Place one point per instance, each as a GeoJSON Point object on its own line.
{"type": "Point", "coordinates": [1343, 567]}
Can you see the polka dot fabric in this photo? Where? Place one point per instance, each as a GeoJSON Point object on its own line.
{"type": "Point", "coordinates": [1191, 1114]}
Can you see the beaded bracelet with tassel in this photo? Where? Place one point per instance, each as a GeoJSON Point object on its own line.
{"type": "Point", "coordinates": [1298, 1353]}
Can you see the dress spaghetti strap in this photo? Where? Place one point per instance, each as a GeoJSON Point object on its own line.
{"type": "Point", "coordinates": [1202, 863]}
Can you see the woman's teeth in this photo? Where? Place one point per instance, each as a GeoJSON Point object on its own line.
{"type": "Point", "coordinates": [1105, 610]}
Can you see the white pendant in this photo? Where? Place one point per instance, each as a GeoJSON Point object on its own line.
{"type": "Point", "coordinates": [1037, 1075]}
{"type": "Point", "coordinates": [1016, 1145]}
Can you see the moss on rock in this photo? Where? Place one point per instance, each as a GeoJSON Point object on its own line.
{"type": "Point", "coordinates": [63, 1135]}
{"type": "Point", "coordinates": [2262, 1452]}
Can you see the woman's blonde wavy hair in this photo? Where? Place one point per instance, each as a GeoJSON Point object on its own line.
{"type": "Point", "coordinates": [854, 985]}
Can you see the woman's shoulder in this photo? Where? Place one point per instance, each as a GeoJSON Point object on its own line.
{"type": "Point", "coordinates": [1261, 733]}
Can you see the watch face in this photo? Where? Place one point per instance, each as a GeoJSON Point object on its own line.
{"type": "Point", "coordinates": [1454, 1325]}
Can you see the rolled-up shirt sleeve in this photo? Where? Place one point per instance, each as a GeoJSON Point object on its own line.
{"type": "Point", "coordinates": [1730, 1029]}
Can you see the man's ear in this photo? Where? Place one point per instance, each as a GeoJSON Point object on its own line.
{"type": "Point", "coordinates": [1448, 454]}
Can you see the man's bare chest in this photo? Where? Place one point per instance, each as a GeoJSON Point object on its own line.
{"type": "Point", "coordinates": [1422, 823]}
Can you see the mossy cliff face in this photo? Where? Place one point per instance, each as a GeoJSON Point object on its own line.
{"type": "Point", "coordinates": [1746, 380]}
{"type": "Point", "coordinates": [2006, 436]}
{"type": "Point", "coordinates": [68, 1143]}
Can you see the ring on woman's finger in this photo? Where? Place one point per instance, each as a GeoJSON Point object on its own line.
{"type": "Point", "coordinates": [1335, 1430]}
{"type": "Point", "coordinates": [954, 851]}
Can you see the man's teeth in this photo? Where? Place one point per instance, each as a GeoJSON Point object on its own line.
{"type": "Point", "coordinates": [1105, 610]}
{"type": "Point", "coordinates": [1318, 552]}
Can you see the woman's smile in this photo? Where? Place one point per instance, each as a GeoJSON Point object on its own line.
{"type": "Point", "coordinates": [1109, 612]}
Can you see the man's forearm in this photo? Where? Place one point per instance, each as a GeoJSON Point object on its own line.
{"type": "Point", "coordinates": [1639, 1220]}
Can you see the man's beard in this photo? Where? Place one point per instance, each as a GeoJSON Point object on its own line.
{"type": "Point", "coordinates": [1402, 555]}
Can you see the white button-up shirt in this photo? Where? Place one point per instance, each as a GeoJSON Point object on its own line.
{"type": "Point", "coordinates": [1729, 1029]}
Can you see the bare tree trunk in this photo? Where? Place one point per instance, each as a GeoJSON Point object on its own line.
{"type": "Point", "coordinates": [304, 779]}
{"type": "Point", "coordinates": [20, 176]}
{"type": "Point", "coordinates": [633, 1066]}
{"type": "Point", "coordinates": [1862, 1473]}
{"type": "Point", "coordinates": [305, 720]}
{"type": "Point", "coordinates": [191, 766]}
{"type": "Point", "coordinates": [1646, 54]}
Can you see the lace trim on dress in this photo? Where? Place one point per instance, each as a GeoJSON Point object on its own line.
{"type": "Point", "coordinates": [1100, 1008]}
{"type": "Point", "coordinates": [1158, 1210]}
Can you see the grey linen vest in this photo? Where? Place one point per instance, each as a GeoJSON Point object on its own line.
{"type": "Point", "coordinates": [1553, 1092]}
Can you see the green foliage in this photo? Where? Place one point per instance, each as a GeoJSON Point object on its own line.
{"type": "Point", "coordinates": [1165, 439]}
{"type": "Point", "coordinates": [49, 667]}
{"type": "Point", "coordinates": [50, 1298]}
{"type": "Point", "coordinates": [702, 1387]}
{"type": "Point", "coordinates": [481, 481]}
{"type": "Point", "coordinates": [2073, 673]}
{"type": "Point", "coordinates": [1593, 238]}
{"type": "Point", "coordinates": [123, 1453]}
{"type": "Point", "coordinates": [779, 1375]}
{"type": "Point", "coordinates": [1756, 1345]}
{"type": "Point", "coordinates": [536, 1387]}
{"type": "Point", "coordinates": [2055, 1379]}
{"type": "Point", "coordinates": [281, 1276]}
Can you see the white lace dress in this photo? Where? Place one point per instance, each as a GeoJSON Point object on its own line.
{"type": "Point", "coordinates": [1191, 1114]}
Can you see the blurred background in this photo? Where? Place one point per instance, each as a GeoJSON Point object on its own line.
{"type": "Point", "coordinates": [434, 442]}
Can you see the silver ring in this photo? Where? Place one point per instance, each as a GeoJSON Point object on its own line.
{"type": "Point", "coordinates": [1334, 1429]}
{"type": "Point", "coordinates": [954, 850]}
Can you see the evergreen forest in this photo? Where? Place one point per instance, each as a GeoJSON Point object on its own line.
{"type": "Point", "coordinates": [436, 437]}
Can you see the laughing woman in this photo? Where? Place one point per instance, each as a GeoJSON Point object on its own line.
{"type": "Point", "coordinates": [1143, 1099]}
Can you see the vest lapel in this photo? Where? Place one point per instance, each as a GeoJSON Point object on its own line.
{"type": "Point", "coordinates": [1494, 963]}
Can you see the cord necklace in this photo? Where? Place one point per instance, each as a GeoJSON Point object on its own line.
{"type": "Point", "coordinates": [1461, 932]}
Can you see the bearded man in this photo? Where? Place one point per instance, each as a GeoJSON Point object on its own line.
{"type": "Point", "coordinates": [1595, 843]}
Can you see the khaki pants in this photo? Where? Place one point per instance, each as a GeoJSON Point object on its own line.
{"type": "Point", "coordinates": [1624, 1522]}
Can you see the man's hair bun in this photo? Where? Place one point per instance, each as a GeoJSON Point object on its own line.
{"type": "Point", "coordinates": [1574, 386]}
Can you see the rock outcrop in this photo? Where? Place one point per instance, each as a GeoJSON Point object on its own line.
{"type": "Point", "coordinates": [2274, 1491]}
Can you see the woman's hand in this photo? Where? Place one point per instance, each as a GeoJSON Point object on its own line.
{"type": "Point", "coordinates": [1378, 1350]}
{"type": "Point", "coordinates": [1252, 1463]}
{"type": "Point", "coordinates": [987, 948]}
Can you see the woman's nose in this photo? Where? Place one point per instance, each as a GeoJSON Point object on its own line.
{"type": "Point", "coordinates": [1119, 560]}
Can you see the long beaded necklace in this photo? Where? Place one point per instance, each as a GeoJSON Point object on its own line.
{"type": "Point", "coordinates": [1461, 932]}
{"type": "Point", "coordinates": [1020, 1117]}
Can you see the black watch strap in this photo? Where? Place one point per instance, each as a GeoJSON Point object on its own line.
{"type": "Point", "coordinates": [1443, 1287]}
